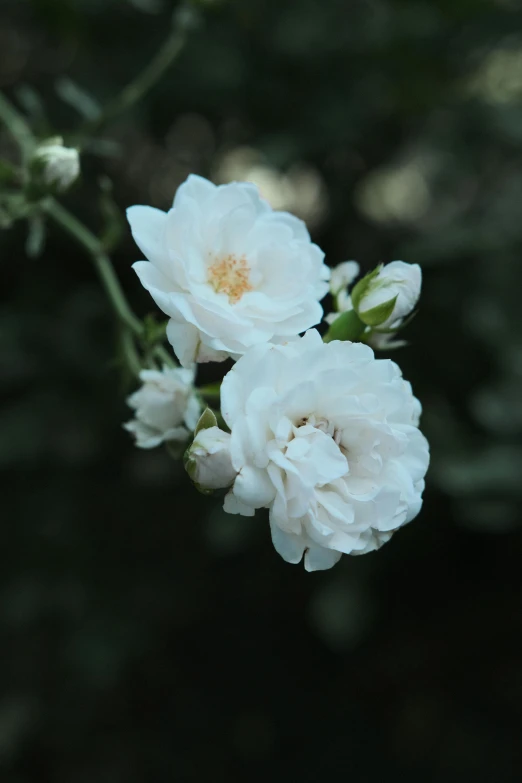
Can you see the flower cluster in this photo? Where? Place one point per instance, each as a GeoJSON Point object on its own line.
{"type": "Point", "coordinates": [318, 431]}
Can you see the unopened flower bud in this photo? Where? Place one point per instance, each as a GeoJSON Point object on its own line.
{"type": "Point", "coordinates": [208, 460]}
{"type": "Point", "coordinates": [59, 166]}
{"type": "Point", "coordinates": [388, 294]}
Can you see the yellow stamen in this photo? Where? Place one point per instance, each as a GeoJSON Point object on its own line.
{"type": "Point", "coordinates": [230, 275]}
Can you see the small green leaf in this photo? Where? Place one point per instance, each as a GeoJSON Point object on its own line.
{"type": "Point", "coordinates": [206, 420]}
{"type": "Point", "coordinates": [154, 329]}
{"type": "Point", "coordinates": [78, 98]}
{"type": "Point", "coordinates": [361, 288]}
{"type": "Point", "coordinates": [8, 173]}
{"type": "Point", "coordinates": [36, 237]}
{"type": "Point", "coordinates": [347, 327]}
{"type": "Point", "coordinates": [31, 102]}
{"type": "Point", "coordinates": [113, 220]}
{"type": "Point", "coordinates": [211, 391]}
{"type": "Point", "coordinates": [5, 219]}
{"type": "Point", "coordinates": [380, 314]}
{"type": "Point", "coordinates": [406, 322]}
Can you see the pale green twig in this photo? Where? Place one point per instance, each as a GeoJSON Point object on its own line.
{"type": "Point", "coordinates": [17, 127]}
{"type": "Point", "coordinates": [107, 275]}
{"type": "Point", "coordinates": [95, 249]}
{"type": "Point", "coordinates": [140, 86]}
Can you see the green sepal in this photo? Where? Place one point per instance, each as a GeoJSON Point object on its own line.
{"type": "Point", "coordinates": [189, 466]}
{"type": "Point", "coordinates": [188, 463]}
{"type": "Point", "coordinates": [360, 289]}
{"type": "Point", "coordinates": [206, 420]}
{"type": "Point", "coordinates": [8, 173]}
{"type": "Point", "coordinates": [380, 314]}
{"type": "Point", "coordinates": [405, 322]}
{"type": "Point", "coordinates": [348, 326]}
{"type": "Point", "coordinates": [154, 330]}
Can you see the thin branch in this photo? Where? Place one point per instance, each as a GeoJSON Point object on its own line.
{"type": "Point", "coordinates": [152, 73]}
{"type": "Point", "coordinates": [102, 262]}
{"type": "Point", "coordinates": [17, 126]}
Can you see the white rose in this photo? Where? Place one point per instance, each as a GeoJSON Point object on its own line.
{"type": "Point", "coordinates": [61, 165]}
{"type": "Point", "coordinates": [228, 270]}
{"type": "Point", "coordinates": [209, 463]}
{"type": "Point", "coordinates": [343, 276]}
{"type": "Point", "coordinates": [166, 407]}
{"type": "Point", "coordinates": [396, 279]}
{"type": "Point", "coordinates": [343, 302]}
{"type": "Point", "coordinates": [325, 436]}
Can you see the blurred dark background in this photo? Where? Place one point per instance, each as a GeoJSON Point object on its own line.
{"type": "Point", "coordinates": [146, 636]}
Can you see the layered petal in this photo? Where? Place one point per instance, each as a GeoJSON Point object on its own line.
{"type": "Point", "coordinates": [325, 437]}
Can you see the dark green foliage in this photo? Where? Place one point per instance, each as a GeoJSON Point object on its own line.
{"type": "Point", "coordinates": [148, 637]}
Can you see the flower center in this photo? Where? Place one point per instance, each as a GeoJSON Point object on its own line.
{"type": "Point", "coordinates": [320, 423]}
{"type": "Point", "coordinates": [230, 275]}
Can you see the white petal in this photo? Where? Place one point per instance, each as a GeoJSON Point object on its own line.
{"type": "Point", "coordinates": [318, 558]}
{"type": "Point", "coordinates": [290, 547]}
{"type": "Point", "coordinates": [234, 506]}
{"type": "Point", "coordinates": [184, 339]}
{"type": "Point", "coordinates": [253, 487]}
{"type": "Point", "coordinates": [148, 229]}
{"type": "Point", "coordinates": [195, 187]}
{"type": "Point", "coordinates": [206, 354]}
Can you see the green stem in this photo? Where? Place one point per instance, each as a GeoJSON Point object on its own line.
{"type": "Point", "coordinates": [129, 351]}
{"type": "Point", "coordinates": [17, 126]}
{"type": "Point", "coordinates": [101, 260]}
{"type": "Point", "coordinates": [163, 355]}
{"type": "Point", "coordinates": [138, 87]}
{"type": "Point", "coordinates": [211, 391]}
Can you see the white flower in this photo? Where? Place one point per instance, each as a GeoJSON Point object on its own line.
{"type": "Point", "coordinates": [166, 407]}
{"type": "Point", "coordinates": [396, 279]}
{"type": "Point", "coordinates": [343, 302]}
{"type": "Point", "coordinates": [326, 437]}
{"type": "Point", "coordinates": [228, 270]}
{"type": "Point", "coordinates": [384, 341]}
{"type": "Point", "coordinates": [209, 463]}
{"type": "Point", "coordinates": [61, 165]}
{"type": "Point", "coordinates": [343, 276]}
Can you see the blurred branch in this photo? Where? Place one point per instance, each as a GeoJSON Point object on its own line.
{"type": "Point", "coordinates": [211, 392]}
{"type": "Point", "coordinates": [95, 248]}
{"type": "Point", "coordinates": [103, 265]}
{"type": "Point", "coordinates": [17, 126]}
{"type": "Point", "coordinates": [184, 21]}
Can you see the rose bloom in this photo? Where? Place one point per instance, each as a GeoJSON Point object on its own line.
{"type": "Point", "coordinates": [166, 407]}
{"type": "Point", "coordinates": [228, 270]}
{"type": "Point", "coordinates": [325, 436]}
